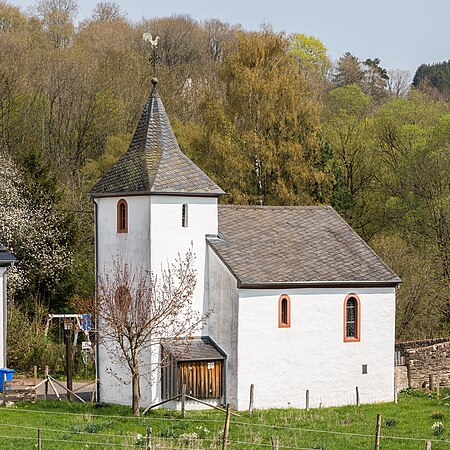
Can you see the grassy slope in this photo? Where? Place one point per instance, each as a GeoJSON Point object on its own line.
{"type": "Point", "coordinates": [112, 427]}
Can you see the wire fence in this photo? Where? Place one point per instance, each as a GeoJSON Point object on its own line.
{"type": "Point", "coordinates": [83, 430]}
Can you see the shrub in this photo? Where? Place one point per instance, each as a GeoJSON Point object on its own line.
{"type": "Point", "coordinates": [28, 342]}
{"type": "Point", "coordinates": [390, 423]}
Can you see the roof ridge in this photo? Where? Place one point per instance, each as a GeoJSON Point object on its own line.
{"type": "Point", "coordinates": [276, 206]}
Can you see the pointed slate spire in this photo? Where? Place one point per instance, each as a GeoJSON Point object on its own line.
{"type": "Point", "coordinates": [154, 163]}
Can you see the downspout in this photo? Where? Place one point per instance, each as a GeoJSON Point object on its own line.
{"type": "Point", "coordinates": [96, 299]}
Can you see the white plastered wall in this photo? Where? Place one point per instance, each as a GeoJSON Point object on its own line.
{"type": "Point", "coordinates": [155, 239]}
{"type": "Point", "coordinates": [223, 321]}
{"type": "Point", "coordinates": [132, 248]}
{"type": "Point", "coordinates": [311, 355]}
{"type": "Point", "coordinates": [170, 240]}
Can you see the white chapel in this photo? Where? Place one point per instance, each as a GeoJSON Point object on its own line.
{"type": "Point", "coordinates": [299, 301]}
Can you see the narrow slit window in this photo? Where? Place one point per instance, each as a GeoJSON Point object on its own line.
{"type": "Point", "coordinates": [351, 318]}
{"type": "Point", "coordinates": [184, 216]}
{"type": "Point", "coordinates": [122, 216]}
{"type": "Point", "coordinates": [284, 312]}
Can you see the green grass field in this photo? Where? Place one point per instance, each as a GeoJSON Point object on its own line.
{"type": "Point", "coordinates": [64, 425]}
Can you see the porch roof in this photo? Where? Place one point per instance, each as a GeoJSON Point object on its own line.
{"type": "Point", "coordinates": [196, 349]}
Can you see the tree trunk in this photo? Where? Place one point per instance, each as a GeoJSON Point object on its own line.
{"type": "Point", "coordinates": [136, 392]}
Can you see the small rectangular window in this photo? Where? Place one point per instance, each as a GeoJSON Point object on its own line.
{"type": "Point", "coordinates": [184, 216]}
{"type": "Point", "coordinates": [364, 369]}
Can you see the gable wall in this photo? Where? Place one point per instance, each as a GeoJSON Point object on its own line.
{"type": "Point", "coordinates": [283, 363]}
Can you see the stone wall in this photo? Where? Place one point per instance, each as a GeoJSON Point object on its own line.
{"type": "Point", "coordinates": [423, 358]}
{"type": "Point", "coordinates": [401, 378]}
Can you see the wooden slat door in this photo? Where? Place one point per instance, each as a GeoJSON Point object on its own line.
{"type": "Point", "coordinates": [203, 379]}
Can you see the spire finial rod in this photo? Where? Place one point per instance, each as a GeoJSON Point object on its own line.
{"type": "Point", "coordinates": [154, 58]}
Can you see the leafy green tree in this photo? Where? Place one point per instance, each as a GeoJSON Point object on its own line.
{"type": "Point", "coordinates": [312, 56]}
{"type": "Point", "coordinates": [346, 128]}
{"type": "Point", "coordinates": [435, 75]}
{"type": "Point", "coordinates": [376, 79]}
{"type": "Point", "coordinates": [413, 137]}
{"type": "Point", "coordinates": [348, 70]}
{"type": "Point", "coordinates": [262, 135]}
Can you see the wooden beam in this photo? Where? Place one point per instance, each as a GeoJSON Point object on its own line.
{"type": "Point", "coordinates": [67, 389]}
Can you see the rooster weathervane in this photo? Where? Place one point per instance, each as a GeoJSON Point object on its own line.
{"type": "Point", "coordinates": [154, 58]}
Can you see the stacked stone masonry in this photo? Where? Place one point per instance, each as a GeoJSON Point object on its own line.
{"type": "Point", "coordinates": [423, 358]}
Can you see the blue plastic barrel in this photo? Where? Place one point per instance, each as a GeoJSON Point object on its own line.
{"type": "Point", "coordinates": [5, 374]}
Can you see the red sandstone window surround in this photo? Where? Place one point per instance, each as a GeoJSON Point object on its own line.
{"type": "Point", "coordinates": [352, 318]}
{"type": "Point", "coordinates": [284, 311]}
{"type": "Point", "coordinates": [122, 216]}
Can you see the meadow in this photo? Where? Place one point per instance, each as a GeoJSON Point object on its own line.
{"type": "Point", "coordinates": [63, 425]}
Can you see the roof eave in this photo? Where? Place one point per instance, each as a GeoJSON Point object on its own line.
{"type": "Point", "coordinates": [140, 193]}
{"type": "Point", "coordinates": [317, 284]}
{"type": "Point", "coordinates": [7, 262]}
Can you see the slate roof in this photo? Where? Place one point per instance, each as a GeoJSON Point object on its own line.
{"type": "Point", "coordinates": [196, 349]}
{"type": "Point", "coordinates": [6, 257]}
{"type": "Point", "coordinates": [154, 162]}
{"type": "Point", "coordinates": [304, 245]}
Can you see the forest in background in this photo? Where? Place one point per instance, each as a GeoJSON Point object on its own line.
{"type": "Point", "coordinates": [269, 117]}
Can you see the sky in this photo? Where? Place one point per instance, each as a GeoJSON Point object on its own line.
{"type": "Point", "coordinates": [402, 33]}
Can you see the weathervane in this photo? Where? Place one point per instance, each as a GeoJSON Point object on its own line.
{"type": "Point", "coordinates": [154, 58]}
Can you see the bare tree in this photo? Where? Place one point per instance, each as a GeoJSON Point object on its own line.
{"type": "Point", "coordinates": [107, 12]}
{"type": "Point", "coordinates": [399, 82]}
{"type": "Point", "coordinates": [58, 19]}
{"type": "Point", "coordinates": [137, 310]}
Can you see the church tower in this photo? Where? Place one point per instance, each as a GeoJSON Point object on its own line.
{"type": "Point", "coordinates": [151, 206]}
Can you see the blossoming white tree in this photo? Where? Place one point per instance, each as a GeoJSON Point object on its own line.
{"type": "Point", "coordinates": [34, 230]}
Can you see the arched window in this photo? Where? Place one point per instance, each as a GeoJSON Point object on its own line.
{"type": "Point", "coordinates": [184, 216]}
{"type": "Point", "coordinates": [352, 318]}
{"type": "Point", "coordinates": [284, 312]}
{"type": "Point", "coordinates": [122, 216]}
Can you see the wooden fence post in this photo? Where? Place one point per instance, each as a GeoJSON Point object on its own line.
{"type": "Point", "coordinates": [428, 445]}
{"type": "Point", "coordinates": [68, 339]}
{"type": "Point", "coordinates": [378, 432]}
{"type": "Point", "coordinates": [275, 442]}
{"type": "Point", "coordinates": [307, 399]}
{"type": "Point", "coordinates": [149, 439]}
{"type": "Point", "coordinates": [431, 381]}
{"type": "Point", "coordinates": [357, 396]}
{"type": "Point", "coordinates": [226, 428]}
{"type": "Point", "coordinates": [252, 398]}
{"type": "Point", "coordinates": [183, 401]}
{"type": "Point", "coordinates": [39, 445]}
{"type": "Point", "coordinates": [46, 383]}
{"type": "Point", "coordinates": [35, 383]}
